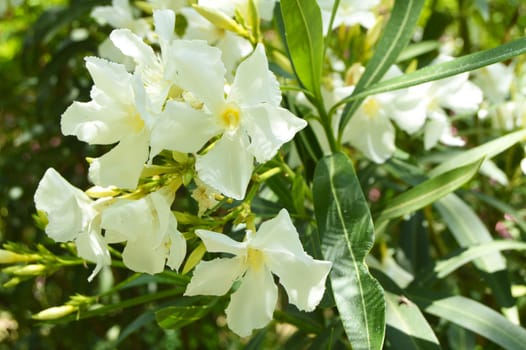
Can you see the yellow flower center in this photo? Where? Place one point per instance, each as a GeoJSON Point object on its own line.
{"type": "Point", "coordinates": [371, 107]}
{"type": "Point", "coordinates": [255, 259]}
{"type": "Point", "coordinates": [230, 116]}
{"type": "Point", "coordinates": [136, 122]}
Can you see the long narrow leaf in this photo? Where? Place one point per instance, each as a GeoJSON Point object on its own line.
{"type": "Point", "coordinates": [487, 150]}
{"type": "Point", "coordinates": [395, 37]}
{"type": "Point", "coordinates": [428, 192]}
{"type": "Point", "coordinates": [304, 35]}
{"type": "Point", "coordinates": [443, 70]}
{"type": "Point", "coordinates": [406, 326]}
{"type": "Point", "coordinates": [346, 231]}
{"type": "Point", "coordinates": [476, 317]}
{"type": "Point", "coordinates": [445, 267]}
{"type": "Point", "coordinates": [468, 230]}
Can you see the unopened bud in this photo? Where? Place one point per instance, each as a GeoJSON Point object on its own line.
{"type": "Point", "coordinates": [30, 270]}
{"type": "Point", "coordinates": [55, 312]}
{"type": "Point", "coordinates": [7, 257]}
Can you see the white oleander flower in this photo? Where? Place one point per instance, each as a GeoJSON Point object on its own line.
{"type": "Point", "coordinates": [457, 94]}
{"type": "Point", "coordinates": [249, 120]}
{"type": "Point", "coordinates": [233, 47]}
{"type": "Point", "coordinates": [120, 15]}
{"type": "Point", "coordinates": [371, 129]}
{"type": "Point", "coordinates": [265, 7]}
{"type": "Point", "coordinates": [116, 113]}
{"type": "Point", "coordinates": [274, 249]}
{"type": "Point", "coordinates": [150, 230]}
{"type": "Point", "coordinates": [73, 216]}
{"type": "Point", "coordinates": [149, 64]}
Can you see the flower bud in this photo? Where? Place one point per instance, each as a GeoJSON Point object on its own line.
{"type": "Point", "coordinates": [55, 312]}
{"type": "Point", "coordinates": [7, 257]}
{"type": "Point", "coordinates": [30, 270]}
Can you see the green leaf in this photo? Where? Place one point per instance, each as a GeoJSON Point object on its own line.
{"type": "Point", "coordinates": [347, 235]}
{"type": "Point", "coordinates": [418, 49]}
{"type": "Point", "coordinates": [396, 35]}
{"type": "Point", "coordinates": [304, 35]}
{"type": "Point", "coordinates": [173, 317]}
{"type": "Point", "coordinates": [406, 326]}
{"type": "Point", "coordinates": [446, 69]}
{"type": "Point", "coordinates": [466, 255]}
{"type": "Point", "coordinates": [476, 317]}
{"type": "Point", "coordinates": [428, 192]}
{"type": "Point", "coordinates": [468, 230]}
{"type": "Point", "coordinates": [487, 150]}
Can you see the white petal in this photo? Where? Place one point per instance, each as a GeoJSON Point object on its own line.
{"type": "Point", "coordinates": [128, 219]}
{"type": "Point", "coordinates": [523, 166]}
{"type": "Point", "coordinates": [266, 9]}
{"type": "Point", "coordinates": [254, 83]}
{"type": "Point", "coordinates": [435, 128]}
{"type": "Point", "coordinates": [466, 99]}
{"type": "Point", "coordinates": [133, 46]}
{"type": "Point", "coordinates": [408, 109]}
{"type": "Point", "coordinates": [176, 245]}
{"type": "Point", "coordinates": [227, 167]}
{"type": "Point", "coordinates": [139, 256]}
{"type": "Point", "coordinates": [197, 67]}
{"type": "Point", "coordinates": [164, 23]}
{"type": "Point", "coordinates": [93, 123]}
{"type": "Point", "coordinates": [91, 246]}
{"type": "Point", "coordinates": [68, 209]}
{"type": "Point", "coordinates": [219, 243]}
{"type": "Point", "coordinates": [171, 130]}
{"type": "Point", "coordinates": [122, 166]}
{"type": "Point", "coordinates": [233, 49]}
{"type": "Point", "coordinates": [374, 136]}
{"type": "Point", "coordinates": [110, 78]}
{"type": "Point", "coordinates": [302, 276]}
{"type": "Point", "coordinates": [252, 305]}
{"type": "Point", "coordinates": [269, 128]}
{"type": "Point", "coordinates": [215, 277]}
{"type": "Point", "coordinates": [279, 235]}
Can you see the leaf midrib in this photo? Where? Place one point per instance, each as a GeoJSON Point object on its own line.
{"type": "Point", "coordinates": [349, 246]}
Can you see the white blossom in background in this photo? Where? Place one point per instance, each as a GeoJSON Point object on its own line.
{"type": "Point", "coordinates": [174, 5]}
{"type": "Point", "coordinates": [228, 7]}
{"type": "Point", "coordinates": [120, 15]}
{"type": "Point", "coordinates": [233, 47]}
{"type": "Point", "coordinates": [274, 249]}
{"type": "Point", "coordinates": [149, 229]}
{"type": "Point", "coordinates": [350, 12]}
{"type": "Point", "coordinates": [495, 81]}
{"type": "Point", "coordinates": [116, 113]}
{"type": "Point", "coordinates": [149, 65]}
{"type": "Point", "coordinates": [371, 129]}
{"type": "Point", "coordinates": [73, 216]}
{"type": "Point", "coordinates": [250, 122]}
{"type": "Point", "coordinates": [456, 94]}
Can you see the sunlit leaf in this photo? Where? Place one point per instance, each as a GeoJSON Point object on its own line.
{"type": "Point", "coordinates": [428, 191]}
{"type": "Point", "coordinates": [304, 35]}
{"type": "Point", "coordinates": [476, 317]}
{"type": "Point", "coordinates": [443, 70]}
{"type": "Point", "coordinates": [347, 235]}
{"type": "Point", "coordinates": [406, 326]}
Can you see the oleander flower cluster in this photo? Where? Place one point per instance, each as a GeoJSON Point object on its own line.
{"type": "Point", "coordinates": [179, 115]}
{"type": "Point", "coordinates": [192, 121]}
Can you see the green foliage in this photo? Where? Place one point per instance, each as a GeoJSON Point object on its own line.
{"type": "Point", "coordinates": [347, 235]}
